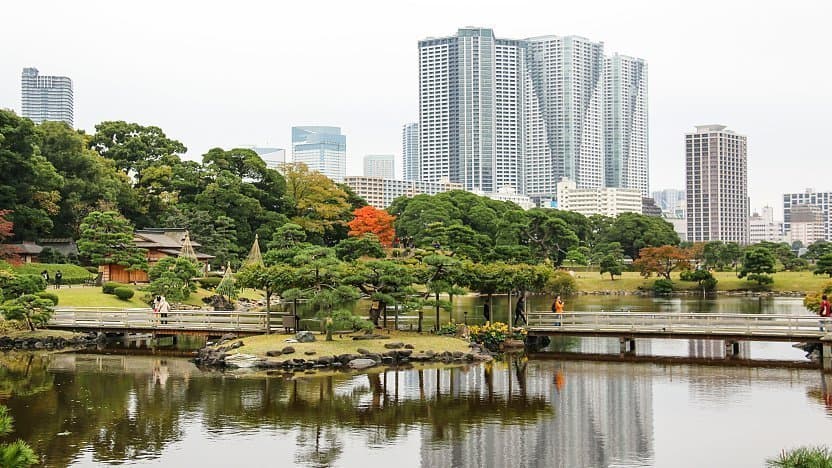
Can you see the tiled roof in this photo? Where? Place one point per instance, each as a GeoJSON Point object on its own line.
{"type": "Point", "coordinates": [28, 248]}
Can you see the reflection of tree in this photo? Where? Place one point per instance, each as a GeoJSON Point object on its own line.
{"type": "Point", "coordinates": [118, 408]}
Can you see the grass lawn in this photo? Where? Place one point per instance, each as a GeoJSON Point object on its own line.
{"type": "Point", "coordinates": [89, 296]}
{"type": "Point", "coordinates": [258, 345]}
{"type": "Point", "coordinates": [42, 334]}
{"type": "Point", "coordinates": [630, 281]}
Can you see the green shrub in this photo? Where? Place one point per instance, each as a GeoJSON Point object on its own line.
{"type": "Point", "coordinates": [802, 457]}
{"type": "Point", "coordinates": [71, 274]}
{"type": "Point", "coordinates": [449, 329]}
{"type": "Point", "coordinates": [209, 282]}
{"type": "Point", "coordinates": [93, 270]}
{"type": "Point", "coordinates": [662, 287]}
{"type": "Point", "coordinates": [343, 320]}
{"type": "Point", "coordinates": [124, 293]}
{"type": "Point", "coordinates": [48, 295]}
{"type": "Point", "coordinates": [561, 283]}
{"type": "Point", "coordinates": [15, 284]}
{"type": "Point", "coordinates": [110, 287]}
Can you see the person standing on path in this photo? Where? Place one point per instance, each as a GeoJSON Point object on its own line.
{"type": "Point", "coordinates": [45, 275]}
{"type": "Point", "coordinates": [519, 309]}
{"type": "Point", "coordinates": [486, 312]}
{"type": "Point", "coordinates": [58, 277]}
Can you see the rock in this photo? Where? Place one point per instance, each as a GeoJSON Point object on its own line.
{"type": "Point", "coordinates": [483, 358]}
{"type": "Point", "coordinates": [236, 344]}
{"type": "Point", "coordinates": [457, 354]}
{"type": "Point", "coordinates": [371, 337]}
{"type": "Point", "coordinates": [469, 357]}
{"type": "Point", "coordinates": [304, 337]}
{"type": "Point", "coordinates": [374, 357]}
{"type": "Point", "coordinates": [394, 345]}
{"type": "Point", "coordinates": [409, 346]}
{"type": "Point", "coordinates": [273, 353]}
{"type": "Point", "coordinates": [387, 360]}
{"type": "Point", "coordinates": [227, 337]}
{"type": "Point", "coordinates": [337, 365]}
{"type": "Point", "coordinates": [219, 302]}
{"type": "Point", "coordinates": [361, 363]}
{"type": "Point", "coordinates": [309, 371]}
{"type": "Point", "coordinates": [391, 354]}
{"type": "Point", "coordinates": [403, 353]}
{"type": "Point", "coordinates": [288, 350]}
{"type": "Point", "coordinates": [326, 360]}
{"type": "Point", "coordinates": [362, 351]}
{"type": "Point", "coordinates": [309, 353]}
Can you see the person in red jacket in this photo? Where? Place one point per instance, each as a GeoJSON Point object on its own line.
{"type": "Point", "coordinates": [825, 312]}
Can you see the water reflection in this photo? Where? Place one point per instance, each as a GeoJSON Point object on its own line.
{"type": "Point", "coordinates": [96, 409]}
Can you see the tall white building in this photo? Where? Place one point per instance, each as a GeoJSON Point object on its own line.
{"type": "Point", "coordinates": [410, 151]}
{"type": "Point", "coordinates": [564, 114]}
{"type": "Point", "coordinates": [609, 201]}
{"type": "Point", "coordinates": [46, 97]}
{"type": "Point", "coordinates": [470, 104]}
{"type": "Point", "coordinates": [716, 164]}
{"type": "Point", "coordinates": [380, 165]}
{"type": "Point", "coordinates": [626, 141]}
{"type": "Point", "coordinates": [525, 113]}
{"type": "Point", "coordinates": [821, 200]}
{"type": "Point", "coordinates": [322, 149]}
{"type": "Point", "coordinates": [671, 201]}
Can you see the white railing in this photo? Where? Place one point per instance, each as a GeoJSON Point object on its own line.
{"type": "Point", "coordinates": [762, 325]}
{"type": "Point", "coordinates": [145, 319]}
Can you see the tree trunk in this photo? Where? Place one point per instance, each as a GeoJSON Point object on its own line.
{"type": "Point", "coordinates": [268, 311]}
{"type": "Point", "coordinates": [436, 326]}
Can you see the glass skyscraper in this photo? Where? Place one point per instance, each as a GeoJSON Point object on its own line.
{"type": "Point", "coordinates": [46, 97]}
{"type": "Point", "coordinates": [526, 113]}
{"type": "Point", "coordinates": [410, 151]}
{"type": "Point", "coordinates": [322, 149]}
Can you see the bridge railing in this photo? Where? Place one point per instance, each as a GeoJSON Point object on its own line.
{"type": "Point", "coordinates": [186, 320]}
{"type": "Point", "coordinates": [687, 323]}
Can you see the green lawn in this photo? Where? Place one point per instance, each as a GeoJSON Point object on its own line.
{"type": "Point", "coordinates": [89, 296]}
{"type": "Point", "coordinates": [71, 273]}
{"type": "Point", "coordinates": [630, 281]}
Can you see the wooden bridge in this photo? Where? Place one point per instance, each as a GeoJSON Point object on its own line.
{"type": "Point", "coordinates": [730, 328]}
{"type": "Point", "coordinates": [176, 322]}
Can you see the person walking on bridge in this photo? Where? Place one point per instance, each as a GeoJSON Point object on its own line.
{"type": "Point", "coordinates": [520, 309]}
{"type": "Point", "coordinates": [825, 312]}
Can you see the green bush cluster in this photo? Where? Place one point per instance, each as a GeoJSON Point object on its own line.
{"type": "Point", "coordinates": [209, 282]}
{"type": "Point", "coordinates": [110, 287]}
{"type": "Point", "coordinates": [662, 287]}
{"type": "Point", "coordinates": [124, 293]}
{"type": "Point", "coordinates": [343, 320]}
{"type": "Point", "coordinates": [48, 295]}
{"type": "Point", "coordinates": [71, 274]}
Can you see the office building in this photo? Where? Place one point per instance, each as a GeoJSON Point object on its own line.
{"type": "Point", "coordinates": [625, 123]}
{"type": "Point", "coordinates": [508, 194]}
{"type": "Point", "coordinates": [470, 103]}
{"type": "Point", "coordinates": [46, 97]}
{"type": "Point", "coordinates": [650, 208]}
{"type": "Point", "coordinates": [821, 200]}
{"type": "Point", "coordinates": [380, 193]}
{"type": "Point", "coordinates": [380, 165]}
{"type": "Point", "coordinates": [806, 224]}
{"type": "Point", "coordinates": [273, 157]}
{"type": "Point", "coordinates": [410, 152]}
{"type": "Point", "coordinates": [322, 149]}
{"type": "Point", "coordinates": [716, 168]}
{"type": "Point", "coordinates": [609, 201]}
{"type": "Point", "coordinates": [525, 113]}
{"type": "Point", "coordinates": [763, 228]}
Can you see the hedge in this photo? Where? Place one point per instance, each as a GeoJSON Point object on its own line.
{"type": "Point", "coordinates": [124, 293]}
{"type": "Point", "coordinates": [71, 274]}
{"type": "Point", "coordinates": [110, 286]}
{"type": "Point", "coordinates": [48, 295]}
{"type": "Point", "coordinates": [209, 282]}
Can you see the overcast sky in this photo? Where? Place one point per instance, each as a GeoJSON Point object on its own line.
{"type": "Point", "coordinates": [242, 73]}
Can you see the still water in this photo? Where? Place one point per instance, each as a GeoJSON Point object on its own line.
{"type": "Point", "coordinates": [96, 410]}
{"type": "Point", "coordinates": [104, 409]}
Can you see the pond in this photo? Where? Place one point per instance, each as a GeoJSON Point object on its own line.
{"type": "Point", "coordinates": [93, 410]}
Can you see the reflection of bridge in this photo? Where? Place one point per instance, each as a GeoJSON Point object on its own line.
{"type": "Point", "coordinates": [732, 328]}
{"type": "Point", "coordinates": [175, 322]}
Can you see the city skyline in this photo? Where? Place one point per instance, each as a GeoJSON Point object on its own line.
{"type": "Point", "coordinates": [159, 89]}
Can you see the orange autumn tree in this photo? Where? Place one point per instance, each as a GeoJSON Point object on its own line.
{"type": "Point", "coordinates": [662, 260]}
{"type": "Point", "coordinates": [371, 220]}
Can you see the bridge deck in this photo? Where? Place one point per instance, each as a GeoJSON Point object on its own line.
{"type": "Point", "coordinates": [763, 327]}
{"type": "Point", "coordinates": [175, 321]}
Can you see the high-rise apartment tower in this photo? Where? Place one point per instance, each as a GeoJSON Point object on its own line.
{"type": "Point", "coordinates": [322, 149]}
{"type": "Point", "coordinates": [46, 97]}
{"type": "Point", "coordinates": [717, 185]}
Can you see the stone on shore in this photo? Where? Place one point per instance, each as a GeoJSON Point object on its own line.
{"type": "Point", "coordinates": [361, 363]}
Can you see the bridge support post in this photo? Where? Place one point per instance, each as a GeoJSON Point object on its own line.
{"type": "Point", "coordinates": [627, 345]}
{"type": "Point", "coordinates": [826, 352]}
{"type": "Point", "coordinates": [732, 348]}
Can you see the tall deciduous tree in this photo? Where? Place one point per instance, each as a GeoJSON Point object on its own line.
{"type": "Point", "coordinates": [635, 231]}
{"type": "Point", "coordinates": [133, 147]}
{"type": "Point", "coordinates": [371, 220]}
{"type": "Point", "coordinates": [319, 205]}
{"type": "Point", "coordinates": [662, 260]}
{"type": "Point", "coordinates": [107, 238]}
